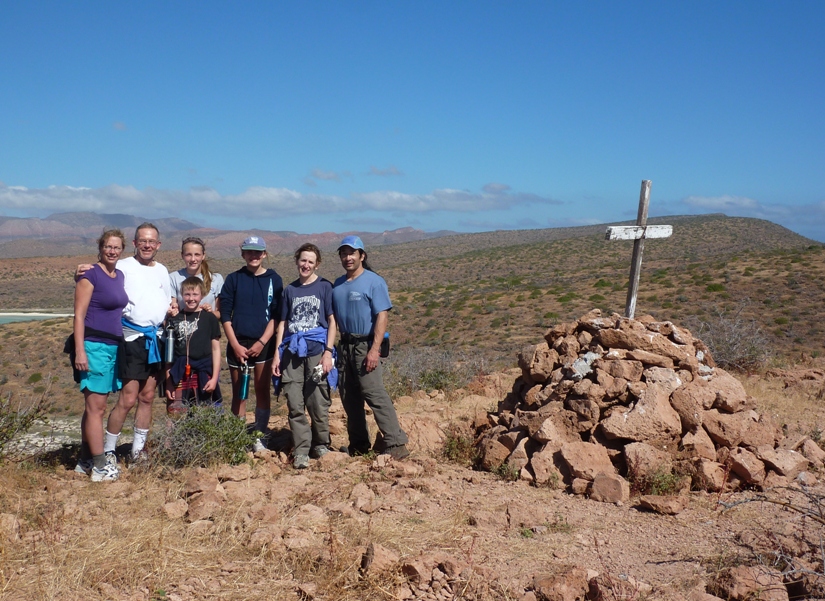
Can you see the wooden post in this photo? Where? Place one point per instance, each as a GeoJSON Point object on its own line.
{"type": "Point", "coordinates": [638, 249]}
{"type": "Point", "coordinates": [638, 233]}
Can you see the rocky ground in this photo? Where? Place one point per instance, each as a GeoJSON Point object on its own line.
{"type": "Point", "coordinates": [374, 528]}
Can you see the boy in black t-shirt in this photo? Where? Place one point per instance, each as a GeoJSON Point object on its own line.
{"type": "Point", "coordinates": [193, 376]}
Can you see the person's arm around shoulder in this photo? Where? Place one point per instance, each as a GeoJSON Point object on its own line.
{"type": "Point", "coordinates": [80, 270]}
{"type": "Point", "coordinates": [82, 297]}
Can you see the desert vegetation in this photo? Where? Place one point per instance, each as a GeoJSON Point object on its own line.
{"type": "Point", "coordinates": [191, 525]}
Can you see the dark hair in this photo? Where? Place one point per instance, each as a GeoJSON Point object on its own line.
{"type": "Point", "coordinates": [193, 281]}
{"type": "Point", "coordinates": [363, 253]}
{"type": "Point", "coordinates": [309, 247]}
{"type": "Point", "coordinates": [366, 265]}
{"type": "Point", "coordinates": [204, 268]}
{"type": "Point", "coordinates": [146, 226]}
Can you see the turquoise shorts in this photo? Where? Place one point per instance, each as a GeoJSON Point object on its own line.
{"type": "Point", "coordinates": [102, 375]}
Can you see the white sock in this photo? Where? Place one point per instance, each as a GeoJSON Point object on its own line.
{"type": "Point", "coordinates": [110, 442]}
{"type": "Point", "coordinates": [139, 441]}
{"type": "Point", "coordinates": [261, 419]}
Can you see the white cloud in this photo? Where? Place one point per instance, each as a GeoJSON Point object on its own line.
{"type": "Point", "coordinates": [264, 202]}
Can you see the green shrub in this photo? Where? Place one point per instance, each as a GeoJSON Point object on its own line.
{"type": "Point", "coordinates": [459, 447]}
{"type": "Point", "coordinates": [508, 472]}
{"type": "Point", "coordinates": [204, 436]}
{"type": "Point", "coordinates": [715, 288]}
{"type": "Point", "coordinates": [426, 368]}
{"type": "Point", "coordinates": [35, 377]}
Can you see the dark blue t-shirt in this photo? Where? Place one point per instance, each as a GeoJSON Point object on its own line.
{"type": "Point", "coordinates": [307, 307]}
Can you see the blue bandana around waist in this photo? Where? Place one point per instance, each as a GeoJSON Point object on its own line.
{"type": "Point", "coordinates": [150, 333]}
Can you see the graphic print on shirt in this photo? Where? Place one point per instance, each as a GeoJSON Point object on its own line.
{"type": "Point", "coordinates": [185, 329]}
{"type": "Point", "coordinates": [305, 314]}
{"type": "Point", "coordinates": [354, 296]}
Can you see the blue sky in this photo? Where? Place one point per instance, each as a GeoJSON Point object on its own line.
{"type": "Point", "coordinates": [469, 116]}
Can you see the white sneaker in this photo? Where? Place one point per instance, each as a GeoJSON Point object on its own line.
{"type": "Point", "coordinates": [84, 466]}
{"type": "Point", "coordinates": [107, 473]}
{"type": "Point", "coordinates": [258, 446]}
{"type": "Point", "coordinates": [111, 458]}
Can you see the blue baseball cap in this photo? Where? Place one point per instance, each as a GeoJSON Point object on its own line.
{"type": "Point", "coordinates": [352, 242]}
{"type": "Point", "coordinates": [254, 243]}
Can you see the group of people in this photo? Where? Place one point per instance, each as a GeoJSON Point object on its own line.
{"type": "Point", "coordinates": [274, 334]}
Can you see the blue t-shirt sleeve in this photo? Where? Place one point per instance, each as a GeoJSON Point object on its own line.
{"type": "Point", "coordinates": [380, 296]}
{"type": "Point", "coordinates": [326, 296]}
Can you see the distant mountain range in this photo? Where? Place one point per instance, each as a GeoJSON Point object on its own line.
{"type": "Point", "coordinates": [71, 234]}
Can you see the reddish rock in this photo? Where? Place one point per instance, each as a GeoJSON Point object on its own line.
{"type": "Point", "coordinates": [710, 475]}
{"type": "Point", "coordinates": [725, 429]}
{"type": "Point", "coordinates": [200, 480]}
{"type": "Point", "coordinates": [378, 558]}
{"type": "Point", "coordinates": [544, 468]}
{"type": "Point", "coordinates": [741, 583]}
{"type": "Point", "coordinates": [730, 394]}
{"type": "Point", "coordinates": [698, 444]}
{"type": "Point", "coordinates": [784, 462]}
{"type": "Point", "coordinates": [627, 370]}
{"type": "Point", "coordinates": [664, 504]}
{"type": "Point", "coordinates": [747, 466]}
{"type": "Point", "coordinates": [586, 460]}
{"type": "Point", "coordinates": [644, 460]}
{"type": "Point", "coordinates": [571, 585]}
{"type": "Point", "coordinates": [650, 358]}
{"type": "Point", "coordinates": [609, 488]}
{"type": "Point", "coordinates": [691, 401]}
{"type": "Point", "coordinates": [651, 418]}
{"type": "Point", "coordinates": [580, 486]}
{"type": "Point", "coordinates": [538, 361]}
{"type": "Point", "coordinates": [812, 452]}
{"type": "Point", "coordinates": [633, 339]}
{"type": "Point", "coordinates": [519, 459]}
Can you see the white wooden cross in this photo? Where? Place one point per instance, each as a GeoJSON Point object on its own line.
{"type": "Point", "coordinates": [638, 233]}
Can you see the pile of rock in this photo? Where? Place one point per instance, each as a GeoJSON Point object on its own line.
{"type": "Point", "coordinates": [604, 400]}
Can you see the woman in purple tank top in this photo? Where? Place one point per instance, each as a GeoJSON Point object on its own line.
{"type": "Point", "coordinates": [99, 299]}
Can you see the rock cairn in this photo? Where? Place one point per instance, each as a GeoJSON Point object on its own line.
{"type": "Point", "coordinates": [605, 401]}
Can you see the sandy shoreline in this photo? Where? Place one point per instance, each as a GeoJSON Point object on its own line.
{"type": "Point", "coordinates": [34, 314]}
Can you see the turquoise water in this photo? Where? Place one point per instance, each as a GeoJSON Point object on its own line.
{"type": "Point", "coordinates": [17, 318]}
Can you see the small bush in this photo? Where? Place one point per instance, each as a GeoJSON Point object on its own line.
{"type": "Point", "coordinates": [204, 436]}
{"type": "Point", "coordinates": [35, 377]}
{"type": "Point", "coordinates": [508, 472]}
{"type": "Point", "coordinates": [734, 340]}
{"type": "Point", "coordinates": [15, 419]}
{"type": "Point", "coordinates": [411, 369]}
{"type": "Point", "coordinates": [459, 448]}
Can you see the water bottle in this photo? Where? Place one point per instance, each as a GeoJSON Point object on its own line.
{"type": "Point", "coordinates": [243, 385]}
{"type": "Point", "coordinates": [384, 350]}
{"type": "Point", "coordinates": [169, 355]}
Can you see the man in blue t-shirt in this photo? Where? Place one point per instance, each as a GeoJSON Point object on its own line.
{"type": "Point", "coordinates": [361, 302]}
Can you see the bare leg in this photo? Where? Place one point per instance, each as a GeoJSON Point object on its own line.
{"type": "Point", "coordinates": [92, 423]}
{"type": "Point", "coordinates": [127, 399]}
{"type": "Point", "coordinates": [238, 406]}
{"type": "Point", "coordinates": [146, 397]}
{"type": "Point", "coordinates": [263, 386]}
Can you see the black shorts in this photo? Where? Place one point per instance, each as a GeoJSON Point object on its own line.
{"type": "Point", "coordinates": [134, 365]}
{"type": "Point", "coordinates": [267, 353]}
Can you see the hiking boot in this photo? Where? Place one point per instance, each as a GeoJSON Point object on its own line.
{"type": "Point", "coordinates": [107, 473]}
{"type": "Point", "coordinates": [301, 462]}
{"type": "Point", "coordinates": [84, 466]}
{"type": "Point", "coordinates": [399, 451]}
{"type": "Point", "coordinates": [319, 451]}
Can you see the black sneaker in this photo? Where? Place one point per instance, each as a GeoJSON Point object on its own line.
{"type": "Point", "coordinates": [399, 451]}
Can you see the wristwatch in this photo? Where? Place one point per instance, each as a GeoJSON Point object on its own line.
{"type": "Point", "coordinates": [328, 348]}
